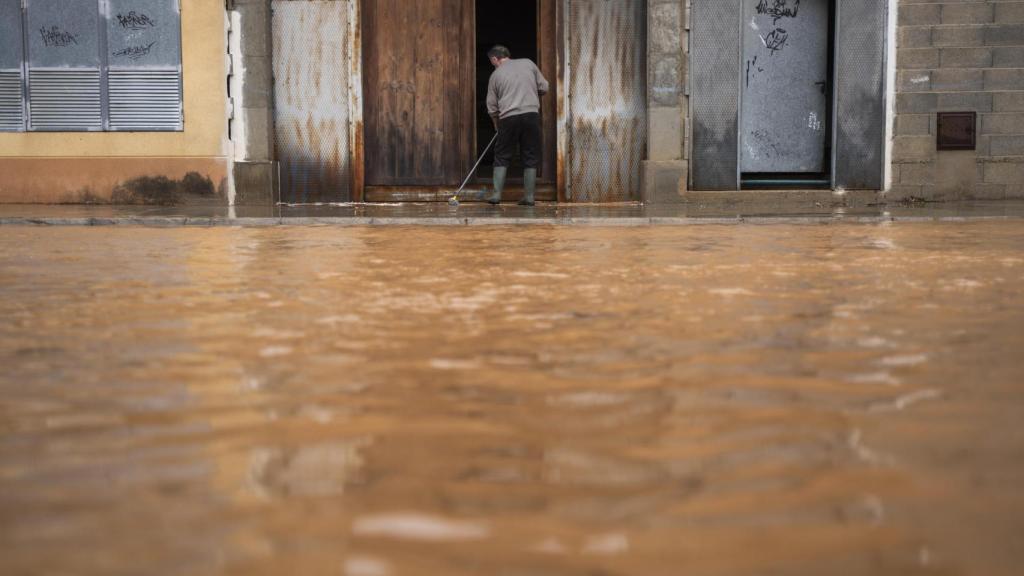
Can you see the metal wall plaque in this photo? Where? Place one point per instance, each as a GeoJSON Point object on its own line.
{"type": "Point", "coordinates": [957, 130]}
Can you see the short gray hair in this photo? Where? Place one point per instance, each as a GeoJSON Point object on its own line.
{"type": "Point", "coordinates": [499, 52]}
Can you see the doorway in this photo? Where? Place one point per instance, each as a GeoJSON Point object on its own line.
{"type": "Point", "coordinates": [425, 74]}
{"type": "Point", "coordinates": [514, 25]}
{"type": "Point", "coordinates": [786, 94]}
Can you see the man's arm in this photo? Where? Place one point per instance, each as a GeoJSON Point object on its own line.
{"type": "Point", "coordinates": [492, 102]}
{"type": "Point", "coordinates": [542, 83]}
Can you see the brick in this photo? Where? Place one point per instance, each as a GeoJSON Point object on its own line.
{"type": "Point", "coordinates": [941, 192]}
{"type": "Point", "coordinates": [664, 28]}
{"type": "Point", "coordinates": [982, 191]}
{"type": "Point", "coordinates": [1004, 79]}
{"type": "Point", "coordinates": [914, 124]}
{"type": "Point", "coordinates": [1004, 34]}
{"type": "Point", "coordinates": [255, 36]}
{"type": "Point", "coordinates": [915, 37]}
{"type": "Point", "coordinates": [965, 58]}
{"type": "Point", "coordinates": [1009, 13]}
{"type": "Point", "coordinates": [966, 13]}
{"type": "Point", "coordinates": [984, 147]}
{"type": "Point", "coordinates": [666, 80]}
{"type": "Point", "coordinates": [957, 80]}
{"type": "Point", "coordinates": [258, 87]}
{"type": "Point", "coordinates": [916, 103]}
{"type": "Point", "coordinates": [901, 192]}
{"type": "Point", "coordinates": [967, 101]}
{"type": "Point", "coordinates": [913, 148]}
{"type": "Point", "coordinates": [1009, 123]}
{"type": "Point", "coordinates": [1007, 146]}
{"type": "Point", "coordinates": [917, 173]}
{"type": "Point", "coordinates": [914, 80]}
{"type": "Point", "coordinates": [919, 14]}
{"type": "Point", "coordinates": [958, 36]}
{"type": "Point", "coordinates": [1008, 57]}
{"type": "Point", "coordinates": [665, 133]}
{"type": "Point", "coordinates": [1010, 173]}
{"type": "Point", "coordinates": [918, 58]}
{"type": "Point", "coordinates": [1008, 102]}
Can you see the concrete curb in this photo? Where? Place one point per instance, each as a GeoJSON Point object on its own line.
{"type": "Point", "coordinates": [208, 222]}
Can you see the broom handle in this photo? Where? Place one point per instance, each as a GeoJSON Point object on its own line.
{"type": "Point", "coordinates": [477, 165]}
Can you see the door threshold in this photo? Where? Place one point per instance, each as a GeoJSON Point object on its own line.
{"type": "Point", "coordinates": [784, 183]}
{"type": "Point", "coordinates": [512, 193]}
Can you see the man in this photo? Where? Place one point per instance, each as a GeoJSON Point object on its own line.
{"type": "Point", "coordinates": [513, 101]}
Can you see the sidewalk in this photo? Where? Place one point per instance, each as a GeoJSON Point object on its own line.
{"type": "Point", "coordinates": [473, 214]}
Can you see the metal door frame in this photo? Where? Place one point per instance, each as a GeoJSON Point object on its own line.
{"type": "Point", "coordinates": [887, 87]}
{"type": "Point", "coordinates": [356, 99]}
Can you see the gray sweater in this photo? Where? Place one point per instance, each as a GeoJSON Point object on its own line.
{"type": "Point", "coordinates": [514, 88]}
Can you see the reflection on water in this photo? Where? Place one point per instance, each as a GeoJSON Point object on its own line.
{"type": "Point", "coordinates": [375, 402]}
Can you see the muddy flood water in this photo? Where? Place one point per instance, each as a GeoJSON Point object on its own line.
{"type": "Point", "coordinates": [706, 400]}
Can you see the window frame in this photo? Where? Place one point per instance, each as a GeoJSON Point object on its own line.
{"type": "Point", "coordinates": [134, 86]}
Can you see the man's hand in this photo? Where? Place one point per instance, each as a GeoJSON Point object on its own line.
{"type": "Point", "coordinates": [494, 119]}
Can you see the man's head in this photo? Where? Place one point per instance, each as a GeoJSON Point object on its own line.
{"type": "Point", "coordinates": [497, 54]}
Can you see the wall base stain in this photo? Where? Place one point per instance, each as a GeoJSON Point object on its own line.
{"type": "Point", "coordinates": [162, 191]}
{"type": "Point", "coordinates": [140, 181]}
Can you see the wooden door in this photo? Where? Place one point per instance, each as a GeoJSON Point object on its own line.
{"type": "Point", "coordinates": [418, 79]}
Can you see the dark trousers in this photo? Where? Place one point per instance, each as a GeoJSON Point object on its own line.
{"type": "Point", "coordinates": [522, 130]}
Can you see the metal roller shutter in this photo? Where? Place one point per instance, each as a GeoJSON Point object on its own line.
{"type": "Point", "coordinates": [860, 94]}
{"type": "Point", "coordinates": [714, 93]}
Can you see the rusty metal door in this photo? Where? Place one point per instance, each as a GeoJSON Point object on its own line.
{"type": "Point", "coordinates": [607, 111]}
{"type": "Point", "coordinates": [785, 86]}
{"type": "Point", "coordinates": [311, 99]}
{"type": "Point", "coordinates": [418, 84]}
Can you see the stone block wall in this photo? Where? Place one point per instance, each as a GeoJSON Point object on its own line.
{"type": "Point", "coordinates": [959, 56]}
{"type": "Point", "coordinates": [665, 170]}
{"type": "Point", "coordinates": [251, 91]}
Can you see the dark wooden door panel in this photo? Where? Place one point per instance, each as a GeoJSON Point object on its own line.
{"type": "Point", "coordinates": [547, 52]}
{"type": "Point", "coordinates": [416, 128]}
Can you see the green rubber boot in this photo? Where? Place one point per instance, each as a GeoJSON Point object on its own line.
{"type": "Point", "coordinates": [530, 186]}
{"type": "Point", "coordinates": [499, 184]}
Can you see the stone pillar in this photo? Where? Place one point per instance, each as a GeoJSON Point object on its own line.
{"type": "Point", "coordinates": [252, 96]}
{"type": "Point", "coordinates": [664, 173]}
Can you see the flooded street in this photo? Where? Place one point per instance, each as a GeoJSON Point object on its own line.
{"type": "Point", "coordinates": [653, 401]}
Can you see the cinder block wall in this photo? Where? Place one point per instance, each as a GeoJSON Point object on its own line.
{"type": "Point", "coordinates": [959, 55]}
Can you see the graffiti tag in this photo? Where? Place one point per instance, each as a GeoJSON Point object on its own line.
{"type": "Point", "coordinates": [753, 69]}
{"type": "Point", "coordinates": [778, 9]}
{"type": "Point", "coordinates": [135, 52]}
{"type": "Point", "coordinates": [135, 21]}
{"type": "Point", "coordinates": [56, 37]}
{"type": "Point", "coordinates": [776, 40]}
